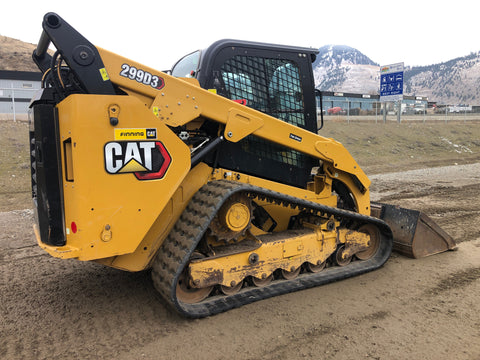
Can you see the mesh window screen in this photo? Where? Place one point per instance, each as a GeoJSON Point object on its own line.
{"type": "Point", "coordinates": [271, 86]}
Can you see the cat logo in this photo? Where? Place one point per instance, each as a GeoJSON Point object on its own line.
{"type": "Point", "coordinates": [148, 160]}
{"type": "Point", "coordinates": [136, 134]}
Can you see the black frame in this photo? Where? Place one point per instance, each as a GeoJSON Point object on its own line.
{"type": "Point", "coordinates": [231, 155]}
{"type": "Point", "coordinates": [47, 191]}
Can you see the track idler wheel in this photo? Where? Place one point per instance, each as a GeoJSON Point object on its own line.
{"type": "Point", "coordinates": [231, 290]}
{"type": "Point", "coordinates": [315, 268]}
{"type": "Point", "coordinates": [289, 275]}
{"type": "Point", "coordinates": [339, 257]}
{"type": "Point", "coordinates": [188, 293]}
{"type": "Point", "coordinates": [374, 242]}
{"type": "Point", "coordinates": [262, 282]}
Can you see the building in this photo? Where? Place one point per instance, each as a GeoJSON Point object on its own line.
{"type": "Point", "coordinates": [349, 103]}
{"type": "Point", "coordinates": [17, 89]}
{"type": "Point", "coordinates": [339, 103]}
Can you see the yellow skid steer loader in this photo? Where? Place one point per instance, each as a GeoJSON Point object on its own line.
{"type": "Point", "coordinates": [211, 175]}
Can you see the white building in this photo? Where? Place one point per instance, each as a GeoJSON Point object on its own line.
{"type": "Point", "coordinates": [17, 89]}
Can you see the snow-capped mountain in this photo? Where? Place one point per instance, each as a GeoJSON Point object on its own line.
{"type": "Point", "coordinates": [342, 68]}
{"type": "Point", "coordinates": [345, 69]}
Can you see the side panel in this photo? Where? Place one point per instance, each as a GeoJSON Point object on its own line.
{"type": "Point", "coordinates": [110, 200]}
{"type": "Point", "coordinates": [180, 101]}
{"type": "Point", "coordinates": [146, 251]}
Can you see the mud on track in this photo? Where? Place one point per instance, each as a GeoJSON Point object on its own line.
{"type": "Point", "coordinates": [428, 308]}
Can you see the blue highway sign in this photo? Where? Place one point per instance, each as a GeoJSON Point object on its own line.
{"type": "Point", "coordinates": [391, 82]}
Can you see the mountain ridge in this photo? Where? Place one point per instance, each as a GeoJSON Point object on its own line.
{"type": "Point", "coordinates": [343, 68]}
{"type": "Point", "coordinates": [339, 68]}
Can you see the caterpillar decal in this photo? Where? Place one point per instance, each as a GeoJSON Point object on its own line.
{"type": "Point", "coordinates": [148, 160]}
{"type": "Point", "coordinates": [136, 134]}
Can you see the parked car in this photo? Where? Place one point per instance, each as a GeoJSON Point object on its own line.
{"type": "Point", "coordinates": [408, 110]}
{"type": "Point", "coordinates": [337, 110]}
{"type": "Point", "coordinates": [460, 108]}
{"type": "Point", "coordinates": [419, 110]}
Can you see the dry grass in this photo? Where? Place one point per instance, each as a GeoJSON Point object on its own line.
{"type": "Point", "coordinates": [380, 148]}
{"type": "Point", "coordinates": [14, 166]}
{"type": "Point", "coordinates": [377, 148]}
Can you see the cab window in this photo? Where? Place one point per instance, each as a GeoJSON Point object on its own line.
{"type": "Point", "coordinates": [187, 66]}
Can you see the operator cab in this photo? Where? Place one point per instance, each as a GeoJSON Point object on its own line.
{"type": "Point", "coordinates": [276, 80]}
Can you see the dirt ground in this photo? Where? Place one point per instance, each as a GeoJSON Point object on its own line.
{"type": "Point", "coordinates": [409, 309]}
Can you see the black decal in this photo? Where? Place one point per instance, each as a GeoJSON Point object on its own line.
{"type": "Point", "coordinates": [151, 133]}
{"type": "Point", "coordinates": [295, 137]}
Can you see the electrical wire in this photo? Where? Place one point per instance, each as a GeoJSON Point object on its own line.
{"type": "Point", "coordinates": [59, 67]}
{"type": "Point", "coordinates": [54, 77]}
{"type": "Point", "coordinates": [44, 76]}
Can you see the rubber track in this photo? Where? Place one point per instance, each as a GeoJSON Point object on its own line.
{"type": "Point", "coordinates": [192, 224]}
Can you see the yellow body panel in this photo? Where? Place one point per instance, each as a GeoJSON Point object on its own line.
{"type": "Point", "coordinates": [121, 221]}
{"type": "Point", "coordinates": [111, 212]}
{"type": "Point", "coordinates": [179, 101]}
{"type": "Point", "coordinates": [148, 247]}
{"type": "Point", "coordinates": [200, 175]}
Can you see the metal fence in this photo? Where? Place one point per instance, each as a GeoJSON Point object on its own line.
{"type": "Point", "coordinates": [15, 101]}
{"type": "Point", "coordinates": [408, 110]}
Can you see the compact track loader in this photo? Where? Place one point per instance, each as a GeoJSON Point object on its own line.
{"type": "Point", "coordinates": [211, 175]}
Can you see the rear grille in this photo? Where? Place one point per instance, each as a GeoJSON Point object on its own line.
{"type": "Point", "coordinates": [46, 175]}
{"type": "Point", "coordinates": [33, 167]}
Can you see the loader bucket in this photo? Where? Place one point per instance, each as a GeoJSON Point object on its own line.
{"type": "Point", "coordinates": [414, 233]}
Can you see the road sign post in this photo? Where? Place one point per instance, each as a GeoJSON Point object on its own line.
{"type": "Point", "coordinates": [391, 85]}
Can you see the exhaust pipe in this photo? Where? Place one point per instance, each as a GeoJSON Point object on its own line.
{"type": "Point", "coordinates": [414, 234]}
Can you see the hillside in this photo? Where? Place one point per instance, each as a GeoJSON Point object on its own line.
{"type": "Point", "coordinates": [342, 68]}
{"type": "Point", "coordinates": [456, 81]}
{"type": "Point", "coordinates": [16, 55]}
{"type": "Point", "coordinates": [339, 68]}
{"type": "Point", "coordinates": [345, 69]}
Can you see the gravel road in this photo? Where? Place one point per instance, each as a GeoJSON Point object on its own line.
{"type": "Point", "coordinates": [409, 309]}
